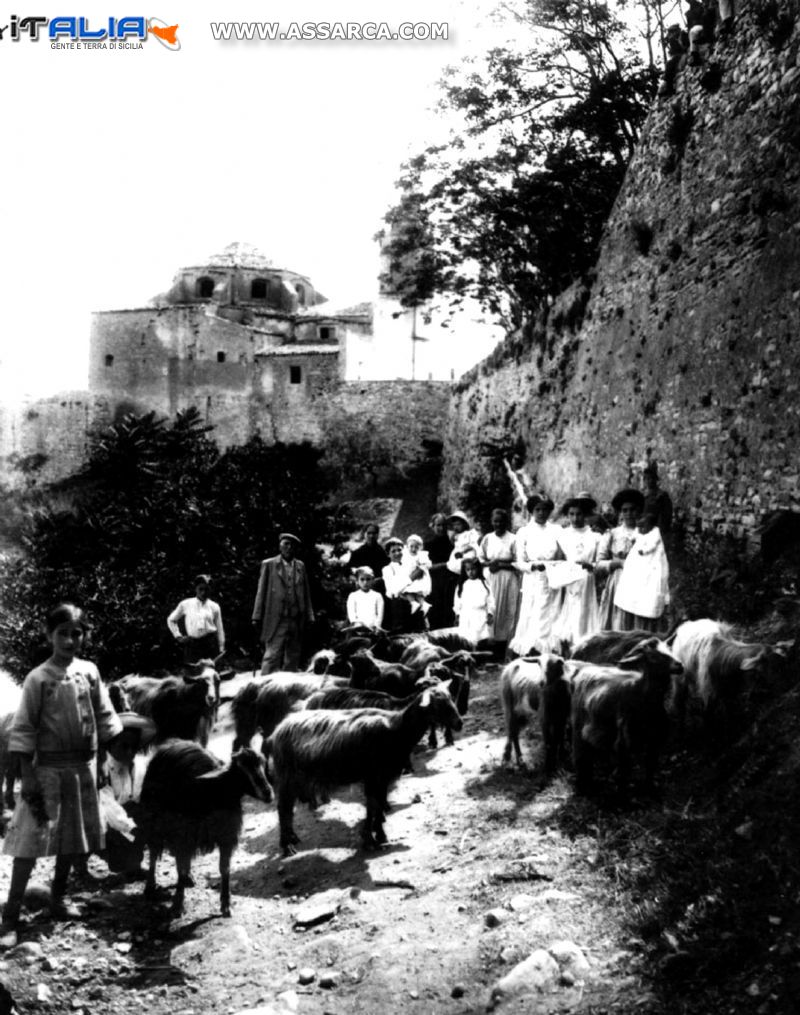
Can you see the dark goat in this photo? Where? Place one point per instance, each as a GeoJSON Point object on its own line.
{"type": "Point", "coordinates": [318, 750]}
{"type": "Point", "coordinates": [374, 674]}
{"type": "Point", "coordinates": [451, 639]}
{"type": "Point", "coordinates": [263, 703]}
{"type": "Point", "coordinates": [183, 707]}
{"type": "Point", "coordinates": [192, 803]}
{"type": "Point", "coordinates": [328, 660]}
{"type": "Point", "coordinates": [536, 685]}
{"type": "Point", "coordinates": [620, 710]}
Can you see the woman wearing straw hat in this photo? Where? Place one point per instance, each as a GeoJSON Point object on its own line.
{"type": "Point", "coordinates": [579, 614]}
{"type": "Point", "coordinates": [537, 543]}
{"type": "Point", "coordinates": [465, 541]}
{"type": "Point", "coordinates": [614, 548]}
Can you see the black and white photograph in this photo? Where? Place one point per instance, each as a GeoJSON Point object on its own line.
{"type": "Point", "coordinates": [400, 528]}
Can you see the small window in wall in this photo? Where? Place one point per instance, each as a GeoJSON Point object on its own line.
{"type": "Point", "coordinates": [109, 360]}
{"type": "Point", "coordinates": [301, 294]}
{"type": "Point", "coordinates": [205, 288]}
{"type": "Point", "coordinates": [327, 331]}
{"type": "Point", "coordinates": [258, 289]}
{"type": "Point", "coordinates": [220, 357]}
{"type": "Point", "coordinates": [295, 375]}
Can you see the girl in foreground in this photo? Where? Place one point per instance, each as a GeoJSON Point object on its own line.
{"type": "Point", "coordinates": [64, 714]}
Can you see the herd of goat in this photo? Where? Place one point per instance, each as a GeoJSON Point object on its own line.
{"type": "Point", "coordinates": [356, 714]}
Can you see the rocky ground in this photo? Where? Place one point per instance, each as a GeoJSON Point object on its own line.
{"type": "Point", "coordinates": [485, 868]}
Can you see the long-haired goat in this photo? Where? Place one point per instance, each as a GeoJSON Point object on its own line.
{"type": "Point", "coordinates": [317, 750]}
{"type": "Point", "coordinates": [191, 803]}
{"type": "Point", "coordinates": [536, 685]}
{"type": "Point", "coordinates": [182, 707]}
{"type": "Point", "coordinates": [621, 709]}
{"type": "Point", "coordinates": [722, 671]}
{"type": "Point", "coordinates": [264, 702]}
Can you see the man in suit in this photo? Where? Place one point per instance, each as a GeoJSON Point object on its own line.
{"type": "Point", "coordinates": [282, 607]}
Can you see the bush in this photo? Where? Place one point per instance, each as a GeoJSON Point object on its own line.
{"type": "Point", "coordinates": [157, 503]}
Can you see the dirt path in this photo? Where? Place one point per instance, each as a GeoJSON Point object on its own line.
{"type": "Point", "coordinates": [410, 934]}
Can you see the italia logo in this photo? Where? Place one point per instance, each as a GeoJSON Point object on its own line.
{"type": "Point", "coordinates": [76, 29]}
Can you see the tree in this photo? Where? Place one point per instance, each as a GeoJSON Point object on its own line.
{"type": "Point", "coordinates": [157, 503]}
{"type": "Point", "coordinates": [510, 210]}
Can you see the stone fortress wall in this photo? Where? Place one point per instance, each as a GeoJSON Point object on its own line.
{"type": "Point", "coordinates": [684, 349]}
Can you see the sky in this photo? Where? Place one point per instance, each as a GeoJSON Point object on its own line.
{"type": "Point", "coordinates": [121, 166]}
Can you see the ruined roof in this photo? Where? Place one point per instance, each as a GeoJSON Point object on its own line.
{"type": "Point", "coordinates": [329, 309]}
{"type": "Point", "coordinates": [240, 255]}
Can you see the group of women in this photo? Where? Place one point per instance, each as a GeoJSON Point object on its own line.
{"type": "Point", "coordinates": [540, 589]}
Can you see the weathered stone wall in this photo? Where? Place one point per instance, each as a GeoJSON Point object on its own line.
{"type": "Point", "coordinates": [55, 428]}
{"type": "Point", "coordinates": [686, 351]}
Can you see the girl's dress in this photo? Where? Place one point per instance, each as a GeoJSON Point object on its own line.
{"type": "Point", "coordinates": [62, 715]}
{"type": "Point", "coordinates": [504, 583]}
{"type": "Point", "coordinates": [614, 545]}
{"type": "Point", "coordinates": [579, 614]}
{"type": "Point", "coordinates": [443, 582]}
{"type": "Point", "coordinates": [472, 605]}
{"type": "Point", "coordinates": [540, 604]}
{"type": "Point", "coordinates": [642, 593]}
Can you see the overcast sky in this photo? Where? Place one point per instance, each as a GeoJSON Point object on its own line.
{"type": "Point", "coordinates": [121, 166]}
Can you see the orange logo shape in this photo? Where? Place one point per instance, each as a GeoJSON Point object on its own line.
{"type": "Point", "coordinates": [164, 33]}
{"type": "Point", "coordinates": [167, 34]}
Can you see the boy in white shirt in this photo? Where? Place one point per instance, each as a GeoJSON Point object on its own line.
{"type": "Point", "coordinates": [202, 618]}
{"type": "Point", "coordinates": [365, 606]}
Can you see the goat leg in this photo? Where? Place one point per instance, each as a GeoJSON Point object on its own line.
{"type": "Point", "coordinates": [288, 838]}
{"type": "Point", "coordinates": [183, 861]}
{"type": "Point", "coordinates": [225, 853]}
{"type": "Point", "coordinates": [433, 743]}
{"type": "Point", "coordinates": [150, 884]}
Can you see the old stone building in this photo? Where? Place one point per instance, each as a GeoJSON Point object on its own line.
{"type": "Point", "coordinates": [256, 349]}
{"type": "Point", "coordinates": [252, 346]}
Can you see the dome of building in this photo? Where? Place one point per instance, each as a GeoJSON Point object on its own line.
{"type": "Point", "coordinates": [240, 255]}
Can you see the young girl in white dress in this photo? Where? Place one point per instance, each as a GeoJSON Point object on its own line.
{"type": "Point", "coordinates": [474, 603]}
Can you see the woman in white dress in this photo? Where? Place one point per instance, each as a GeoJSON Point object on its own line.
{"type": "Point", "coordinates": [496, 552]}
{"type": "Point", "coordinates": [614, 548]}
{"type": "Point", "coordinates": [537, 543]}
{"type": "Point", "coordinates": [579, 614]}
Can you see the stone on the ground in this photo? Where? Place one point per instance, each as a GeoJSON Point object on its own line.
{"type": "Point", "coordinates": [458, 991]}
{"type": "Point", "coordinates": [538, 972]}
{"type": "Point", "coordinates": [495, 917]}
{"type": "Point", "coordinates": [306, 975]}
{"type": "Point", "coordinates": [519, 903]}
{"type": "Point", "coordinates": [329, 980]}
{"type": "Point", "coordinates": [556, 895]}
{"type": "Point", "coordinates": [43, 993]}
{"type": "Point", "coordinates": [570, 959]}
{"type": "Point", "coordinates": [27, 951]}
{"type": "Point", "coordinates": [288, 1000]}
{"type": "Point", "coordinates": [215, 952]}
{"type": "Point", "coordinates": [319, 908]}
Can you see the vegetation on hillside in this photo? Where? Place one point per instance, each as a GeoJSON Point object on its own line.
{"type": "Point", "coordinates": [156, 503]}
{"type": "Point", "coordinates": [510, 209]}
